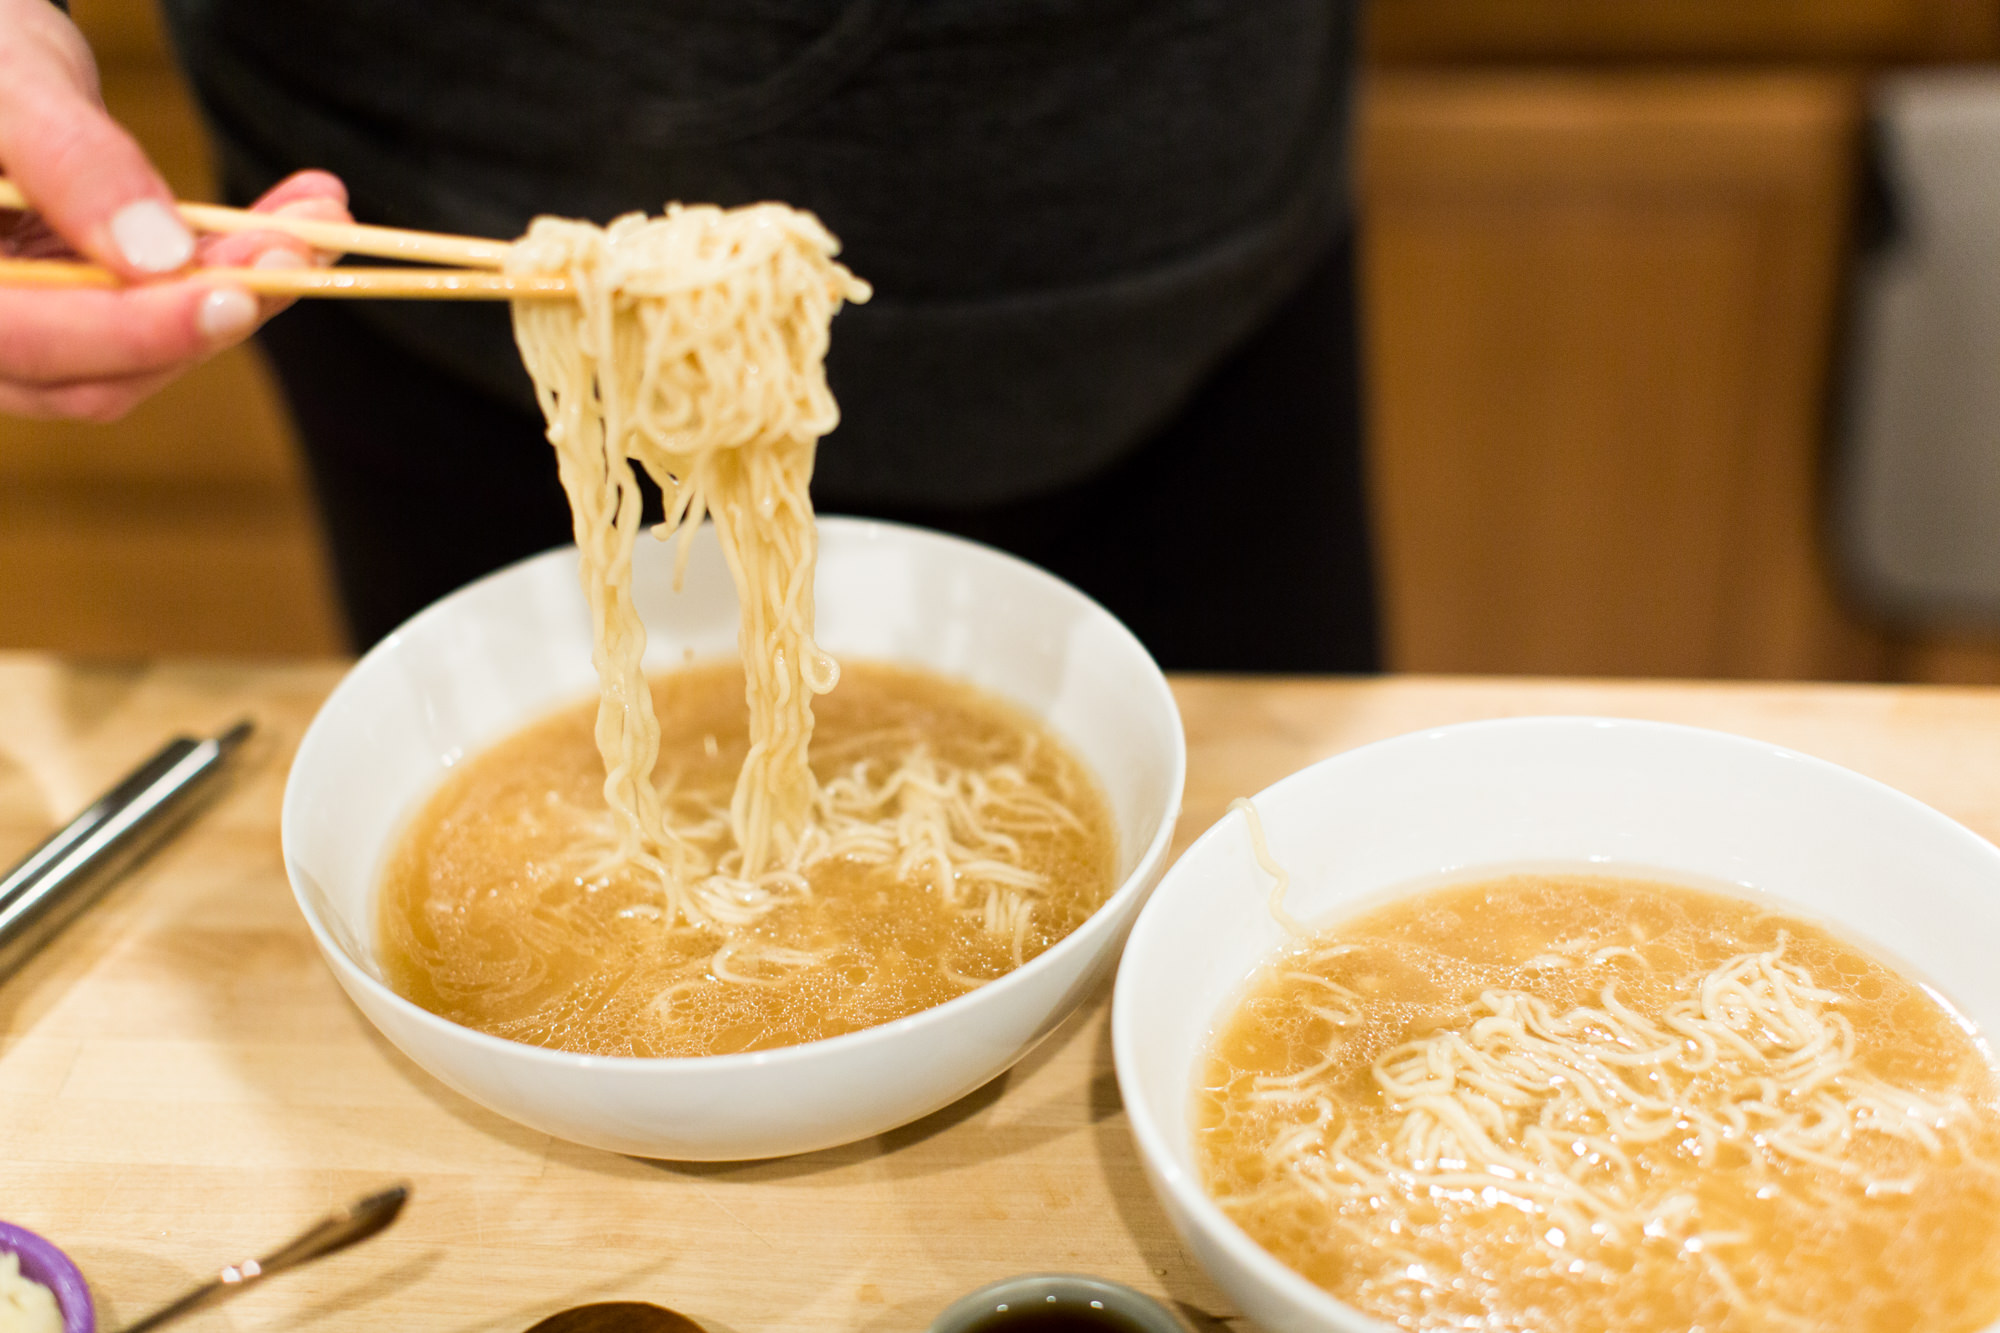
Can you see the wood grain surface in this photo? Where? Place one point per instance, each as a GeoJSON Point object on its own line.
{"type": "Point", "coordinates": [183, 1085]}
{"type": "Point", "coordinates": [1600, 314]}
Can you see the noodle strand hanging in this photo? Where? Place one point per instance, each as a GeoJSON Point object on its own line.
{"type": "Point", "coordinates": [696, 347]}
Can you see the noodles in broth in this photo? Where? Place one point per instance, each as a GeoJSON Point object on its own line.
{"type": "Point", "coordinates": [754, 890]}
{"type": "Point", "coordinates": [1561, 1102]}
{"type": "Point", "coordinates": [495, 914]}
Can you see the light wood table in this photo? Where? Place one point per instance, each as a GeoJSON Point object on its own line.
{"type": "Point", "coordinates": [182, 1084]}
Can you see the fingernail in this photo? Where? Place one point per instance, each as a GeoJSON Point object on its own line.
{"type": "Point", "coordinates": [226, 313]}
{"type": "Point", "coordinates": [151, 238]}
{"type": "Point", "coordinates": [281, 258]}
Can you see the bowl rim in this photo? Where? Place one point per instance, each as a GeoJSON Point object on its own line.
{"type": "Point", "coordinates": [1186, 1194]}
{"type": "Point", "coordinates": [55, 1270]}
{"type": "Point", "coordinates": [1134, 883]}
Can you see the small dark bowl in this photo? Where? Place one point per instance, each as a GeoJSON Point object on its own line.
{"type": "Point", "coordinates": [1072, 1299]}
{"type": "Point", "coordinates": [44, 1263]}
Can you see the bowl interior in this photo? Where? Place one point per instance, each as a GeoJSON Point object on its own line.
{"type": "Point", "coordinates": [1884, 869]}
{"type": "Point", "coordinates": [510, 648]}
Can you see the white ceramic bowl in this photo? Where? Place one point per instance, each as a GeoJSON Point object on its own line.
{"type": "Point", "coordinates": [504, 651]}
{"type": "Point", "coordinates": [1837, 846]}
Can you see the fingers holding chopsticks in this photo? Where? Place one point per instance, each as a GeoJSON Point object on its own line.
{"type": "Point", "coordinates": [95, 354]}
{"type": "Point", "coordinates": [315, 196]}
{"type": "Point", "coordinates": [88, 178]}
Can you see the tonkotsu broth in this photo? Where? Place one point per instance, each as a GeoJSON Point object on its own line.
{"type": "Point", "coordinates": [492, 913]}
{"type": "Point", "coordinates": [1356, 1116]}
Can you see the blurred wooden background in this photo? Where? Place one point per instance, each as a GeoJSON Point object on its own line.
{"type": "Point", "coordinates": [1604, 249]}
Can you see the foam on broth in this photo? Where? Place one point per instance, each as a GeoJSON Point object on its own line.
{"type": "Point", "coordinates": [1757, 1125]}
{"type": "Point", "coordinates": [495, 913]}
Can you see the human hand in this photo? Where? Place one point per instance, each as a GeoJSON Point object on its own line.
{"type": "Point", "coordinates": [94, 354]}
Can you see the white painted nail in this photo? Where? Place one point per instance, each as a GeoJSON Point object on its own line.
{"type": "Point", "coordinates": [280, 257]}
{"type": "Point", "coordinates": [227, 313]}
{"type": "Point", "coordinates": [151, 238]}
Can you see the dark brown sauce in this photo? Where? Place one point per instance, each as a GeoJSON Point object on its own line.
{"type": "Point", "coordinates": [1054, 1314]}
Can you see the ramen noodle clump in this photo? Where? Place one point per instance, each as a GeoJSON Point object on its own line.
{"type": "Point", "coordinates": [696, 346]}
{"type": "Point", "coordinates": [1568, 1103]}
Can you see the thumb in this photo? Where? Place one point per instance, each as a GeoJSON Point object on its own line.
{"type": "Point", "coordinates": [87, 177]}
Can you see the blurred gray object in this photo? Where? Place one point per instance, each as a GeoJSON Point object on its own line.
{"type": "Point", "coordinates": [1919, 491]}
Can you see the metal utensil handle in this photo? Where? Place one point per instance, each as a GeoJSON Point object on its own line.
{"type": "Point", "coordinates": [336, 1231]}
{"type": "Point", "coordinates": [63, 875]}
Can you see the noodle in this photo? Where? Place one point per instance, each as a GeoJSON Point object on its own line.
{"type": "Point", "coordinates": [1281, 880]}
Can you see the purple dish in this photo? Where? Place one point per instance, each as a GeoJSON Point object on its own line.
{"type": "Point", "coordinates": [44, 1263]}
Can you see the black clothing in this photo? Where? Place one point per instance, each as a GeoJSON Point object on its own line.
{"type": "Point", "coordinates": [1070, 209]}
{"type": "Point", "coordinates": [1077, 214]}
{"type": "Point", "coordinates": [1235, 539]}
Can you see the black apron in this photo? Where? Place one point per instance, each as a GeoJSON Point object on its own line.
{"type": "Point", "coordinates": [1072, 210]}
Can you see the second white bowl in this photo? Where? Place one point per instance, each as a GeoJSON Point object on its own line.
{"type": "Point", "coordinates": [1625, 795]}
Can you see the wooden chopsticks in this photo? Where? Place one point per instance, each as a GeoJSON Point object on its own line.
{"type": "Point", "coordinates": [435, 284]}
{"type": "Point", "coordinates": [469, 279]}
{"type": "Point", "coordinates": [347, 238]}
